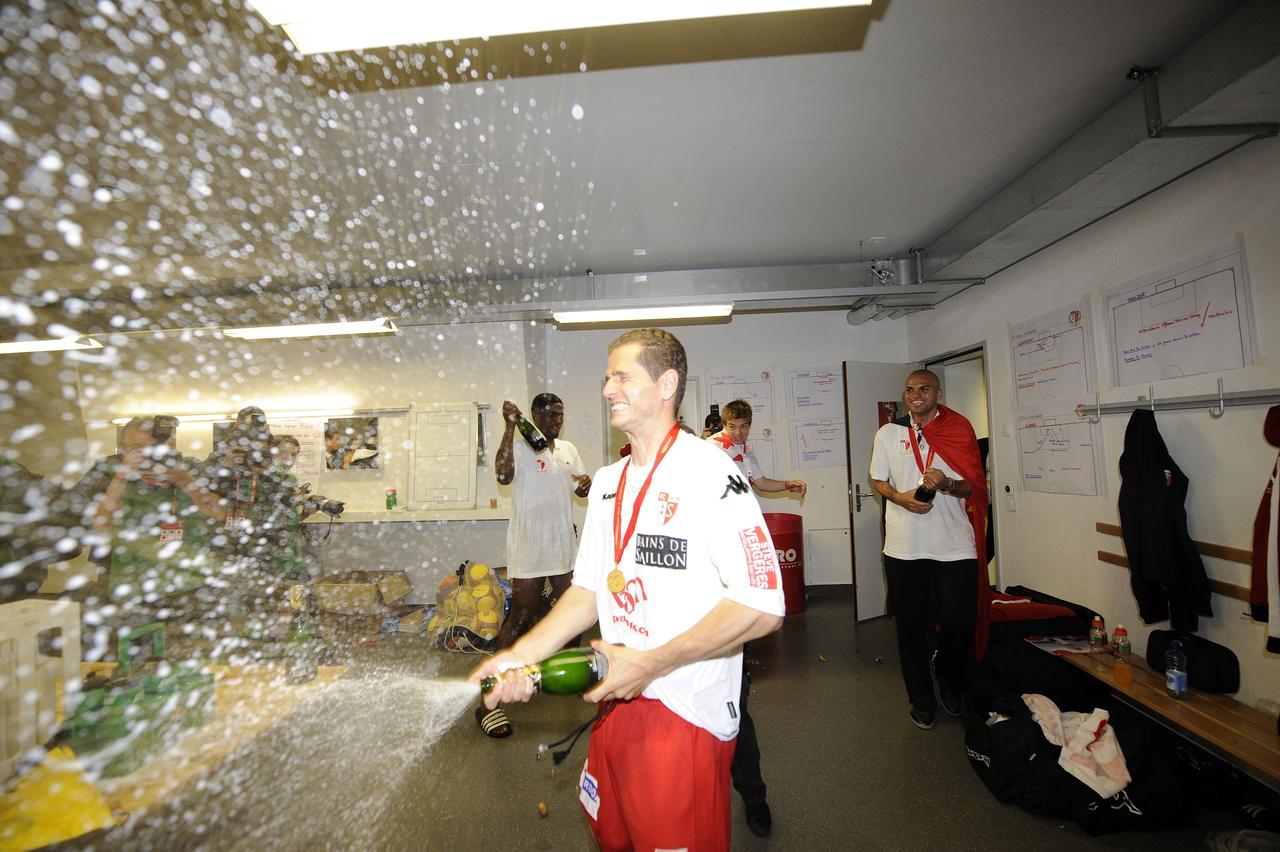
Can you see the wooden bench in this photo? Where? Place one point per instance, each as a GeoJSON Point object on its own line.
{"type": "Point", "coordinates": [1244, 737]}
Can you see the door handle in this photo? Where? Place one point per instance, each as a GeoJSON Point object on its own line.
{"type": "Point", "coordinates": [857, 497]}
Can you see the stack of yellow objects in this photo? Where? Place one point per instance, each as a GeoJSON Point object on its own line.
{"type": "Point", "coordinates": [476, 604]}
{"type": "Point", "coordinates": [51, 803]}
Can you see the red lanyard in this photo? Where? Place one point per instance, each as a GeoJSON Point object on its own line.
{"type": "Point", "coordinates": [915, 448]}
{"type": "Point", "coordinates": [253, 493]}
{"type": "Point", "coordinates": [619, 540]}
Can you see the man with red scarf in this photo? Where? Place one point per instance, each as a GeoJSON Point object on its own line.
{"type": "Point", "coordinates": [928, 470]}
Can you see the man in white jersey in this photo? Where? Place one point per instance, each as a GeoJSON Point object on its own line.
{"type": "Point", "coordinates": [928, 470]}
{"type": "Point", "coordinates": [540, 534]}
{"type": "Point", "coordinates": [747, 779]}
{"type": "Point", "coordinates": [677, 566]}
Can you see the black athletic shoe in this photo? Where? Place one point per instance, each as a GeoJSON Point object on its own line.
{"type": "Point", "coordinates": [922, 719]}
{"type": "Point", "coordinates": [760, 819]}
{"type": "Point", "coordinates": [950, 702]}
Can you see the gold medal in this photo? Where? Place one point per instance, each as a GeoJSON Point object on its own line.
{"type": "Point", "coordinates": [616, 581]}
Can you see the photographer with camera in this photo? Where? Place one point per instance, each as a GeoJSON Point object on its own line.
{"type": "Point", "coordinates": [259, 505]}
{"type": "Point", "coordinates": [156, 518]}
{"type": "Point", "coordinates": [284, 451]}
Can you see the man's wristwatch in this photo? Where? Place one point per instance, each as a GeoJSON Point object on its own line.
{"type": "Point", "coordinates": [948, 486]}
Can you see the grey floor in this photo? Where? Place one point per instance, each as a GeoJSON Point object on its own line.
{"type": "Point", "coordinates": [391, 758]}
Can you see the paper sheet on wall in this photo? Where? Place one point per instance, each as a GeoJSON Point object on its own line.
{"type": "Point", "coordinates": [310, 435]}
{"type": "Point", "coordinates": [1187, 319]}
{"type": "Point", "coordinates": [1052, 356]}
{"type": "Point", "coordinates": [817, 444]}
{"type": "Point", "coordinates": [766, 452]}
{"type": "Point", "coordinates": [753, 387]}
{"type": "Point", "coordinates": [1060, 453]}
{"type": "Point", "coordinates": [816, 394]}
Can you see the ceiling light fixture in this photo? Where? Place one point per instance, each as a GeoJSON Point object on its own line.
{"type": "Point", "coordinates": [327, 26]}
{"type": "Point", "coordinates": [668, 312]}
{"type": "Point", "coordinates": [55, 344]}
{"type": "Point", "coordinates": [381, 325]}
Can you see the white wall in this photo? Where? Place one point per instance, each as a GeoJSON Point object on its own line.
{"type": "Point", "coordinates": [1050, 543]}
{"type": "Point", "coordinates": [576, 361]}
{"type": "Point", "coordinates": [482, 362]}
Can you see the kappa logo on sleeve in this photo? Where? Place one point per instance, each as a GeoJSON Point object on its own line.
{"type": "Point", "coordinates": [736, 486]}
{"type": "Point", "coordinates": [762, 563]}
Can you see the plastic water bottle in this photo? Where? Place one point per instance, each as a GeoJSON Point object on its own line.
{"type": "Point", "coordinates": [1175, 670]}
{"type": "Point", "coordinates": [1120, 641]}
{"type": "Point", "coordinates": [1098, 634]}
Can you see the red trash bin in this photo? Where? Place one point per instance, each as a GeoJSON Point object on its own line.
{"type": "Point", "coordinates": [787, 532]}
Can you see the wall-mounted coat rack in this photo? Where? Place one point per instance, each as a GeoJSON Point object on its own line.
{"type": "Point", "coordinates": [1215, 403]}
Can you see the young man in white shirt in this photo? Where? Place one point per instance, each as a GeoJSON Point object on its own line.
{"type": "Point", "coordinates": [679, 571]}
{"type": "Point", "coordinates": [747, 779]}
{"type": "Point", "coordinates": [928, 470]}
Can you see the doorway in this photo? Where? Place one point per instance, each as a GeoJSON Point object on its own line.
{"type": "Point", "coordinates": [965, 380]}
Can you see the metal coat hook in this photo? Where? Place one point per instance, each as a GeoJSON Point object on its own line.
{"type": "Point", "coordinates": [1216, 411]}
{"type": "Point", "coordinates": [1096, 417]}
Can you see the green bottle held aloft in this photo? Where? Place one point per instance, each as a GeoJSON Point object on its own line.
{"type": "Point", "coordinates": [569, 672]}
{"type": "Point", "coordinates": [532, 436]}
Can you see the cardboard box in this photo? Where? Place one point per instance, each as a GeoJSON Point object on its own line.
{"type": "Point", "coordinates": [336, 624]}
{"type": "Point", "coordinates": [394, 587]}
{"type": "Point", "coordinates": [361, 592]}
{"type": "Point", "coordinates": [414, 621]}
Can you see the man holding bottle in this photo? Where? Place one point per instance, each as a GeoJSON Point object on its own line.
{"type": "Point", "coordinates": [678, 568]}
{"type": "Point", "coordinates": [927, 468]}
{"type": "Point", "coordinates": [540, 534]}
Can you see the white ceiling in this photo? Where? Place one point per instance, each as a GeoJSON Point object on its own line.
{"type": "Point", "coordinates": [226, 172]}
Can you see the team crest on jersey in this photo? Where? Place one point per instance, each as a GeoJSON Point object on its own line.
{"type": "Point", "coordinates": [668, 505]}
{"type": "Point", "coordinates": [762, 562]}
{"type": "Point", "coordinates": [542, 464]}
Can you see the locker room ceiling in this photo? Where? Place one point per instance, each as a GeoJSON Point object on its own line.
{"type": "Point", "coordinates": [193, 171]}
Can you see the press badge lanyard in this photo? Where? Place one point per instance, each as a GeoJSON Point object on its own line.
{"type": "Point", "coordinates": [170, 530]}
{"type": "Point", "coordinates": [617, 581]}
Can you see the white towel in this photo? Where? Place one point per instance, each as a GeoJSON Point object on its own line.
{"type": "Point", "coordinates": [1090, 751]}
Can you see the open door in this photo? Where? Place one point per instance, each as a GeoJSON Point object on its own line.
{"type": "Point", "coordinates": [872, 392]}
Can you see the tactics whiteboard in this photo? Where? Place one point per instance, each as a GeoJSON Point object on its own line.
{"type": "Point", "coordinates": [1191, 318]}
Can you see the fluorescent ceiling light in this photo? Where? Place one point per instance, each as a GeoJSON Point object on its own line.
{"type": "Point", "coordinates": [325, 26]}
{"type": "Point", "coordinates": [56, 344]}
{"type": "Point", "coordinates": [220, 416]}
{"type": "Point", "coordinates": [669, 312]}
{"type": "Point", "coordinates": [382, 325]}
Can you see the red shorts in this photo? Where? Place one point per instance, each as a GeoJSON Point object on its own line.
{"type": "Point", "coordinates": [654, 781]}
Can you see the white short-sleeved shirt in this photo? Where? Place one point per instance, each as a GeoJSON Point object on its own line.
{"type": "Point", "coordinates": [540, 533]}
{"type": "Point", "coordinates": [699, 539]}
{"type": "Point", "coordinates": [740, 455]}
{"type": "Point", "coordinates": [945, 533]}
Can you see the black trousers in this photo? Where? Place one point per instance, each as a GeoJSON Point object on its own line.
{"type": "Point", "coordinates": [745, 769]}
{"type": "Point", "coordinates": [916, 586]}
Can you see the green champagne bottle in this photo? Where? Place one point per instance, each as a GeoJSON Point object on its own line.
{"type": "Point", "coordinates": [532, 436]}
{"type": "Point", "coordinates": [569, 672]}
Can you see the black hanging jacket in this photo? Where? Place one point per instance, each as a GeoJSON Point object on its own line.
{"type": "Point", "coordinates": [1165, 570]}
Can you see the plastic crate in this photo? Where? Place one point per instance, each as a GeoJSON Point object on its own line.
{"type": "Point", "coordinates": [28, 679]}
